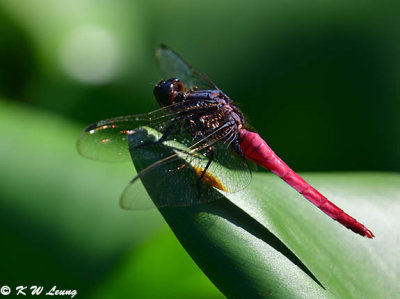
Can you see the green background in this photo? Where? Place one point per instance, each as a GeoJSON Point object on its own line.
{"type": "Point", "coordinates": [319, 80]}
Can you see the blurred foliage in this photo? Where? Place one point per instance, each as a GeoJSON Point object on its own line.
{"type": "Point", "coordinates": [318, 79]}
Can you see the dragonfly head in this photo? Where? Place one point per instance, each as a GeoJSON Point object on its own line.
{"type": "Point", "coordinates": [165, 91]}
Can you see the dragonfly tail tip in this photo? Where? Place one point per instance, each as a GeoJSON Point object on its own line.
{"type": "Point", "coordinates": [367, 233]}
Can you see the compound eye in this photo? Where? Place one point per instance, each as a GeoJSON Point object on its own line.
{"type": "Point", "coordinates": [162, 93]}
{"type": "Point", "coordinates": [165, 91]}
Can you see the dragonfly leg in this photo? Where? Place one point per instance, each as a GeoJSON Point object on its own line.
{"type": "Point", "coordinates": [169, 130]}
{"type": "Point", "coordinates": [164, 136]}
{"type": "Point", "coordinates": [238, 149]}
{"type": "Point", "coordinates": [209, 152]}
{"type": "Point", "coordinates": [236, 146]}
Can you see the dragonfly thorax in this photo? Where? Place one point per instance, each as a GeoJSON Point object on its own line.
{"type": "Point", "coordinates": [216, 112]}
{"type": "Point", "coordinates": [202, 111]}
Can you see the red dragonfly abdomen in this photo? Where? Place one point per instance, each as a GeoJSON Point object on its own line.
{"type": "Point", "coordinates": [258, 151]}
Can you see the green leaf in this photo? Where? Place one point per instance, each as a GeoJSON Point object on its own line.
{"type": "Point", "coordinates": [158, 268]}
{"type": "Point", "coordinates": [268, 241]}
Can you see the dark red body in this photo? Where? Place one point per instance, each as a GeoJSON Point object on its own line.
{"type": "Point", "coordinates": [258, 151]}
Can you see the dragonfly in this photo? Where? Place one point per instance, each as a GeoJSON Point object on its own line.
{"type": "Point", "coordinates": [210, 142]}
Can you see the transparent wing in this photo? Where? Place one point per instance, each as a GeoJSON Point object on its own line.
{"type": "Point", "coordinates": [107, 140]}
{"type": "Point", "coordinates": [174, 179]}
{"type": "Point", "coordinates": [174, 66]}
